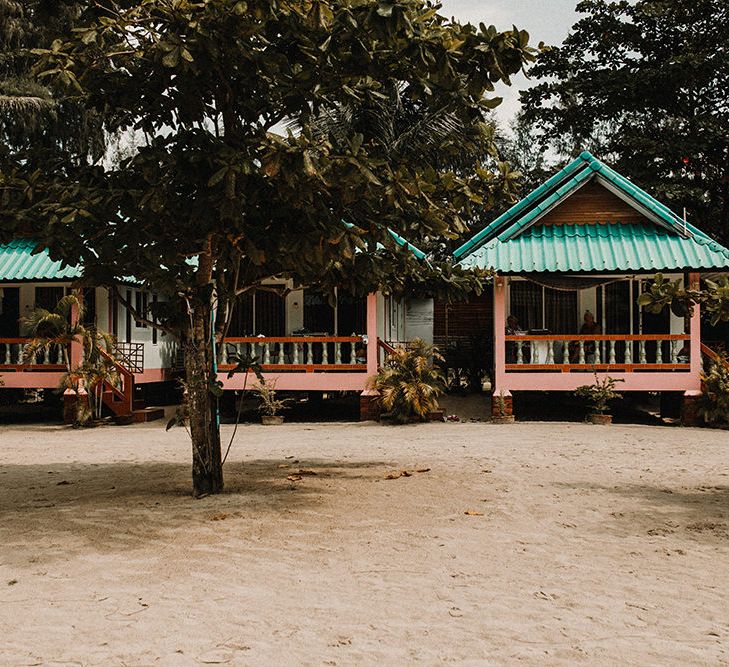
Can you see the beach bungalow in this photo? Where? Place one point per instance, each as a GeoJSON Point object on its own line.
{"type": "Point", "coordinates": [303, 342]}
{"type": "Point", "coordinates": [144, 356]}
{"type": "Point", "coordinates": [570, 260]}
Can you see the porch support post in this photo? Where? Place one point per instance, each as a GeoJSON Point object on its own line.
{"type": "Point", "coordinates": [695, 333]}
{"type": "Point", "coordinates": [372, 334]}
{"type": "Point", "coordinates": [500, 384]}
{"type": "Point", "coordinates": [689, 410]}
{"type": "Point", "coordinates": [369, 409]}
{"type": "Point", "coordinates": [77, 351]}
{"type": "Point", "coordinates": [500, 333]}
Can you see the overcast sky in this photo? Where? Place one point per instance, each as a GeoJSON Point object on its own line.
{"type": "Point", "coordinates": [546, 21]}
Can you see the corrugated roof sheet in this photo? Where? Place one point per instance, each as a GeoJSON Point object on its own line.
{"type": "Point", "coordinates": [18, 263]}
{"type": "Point", "coordinates": [598, 247]}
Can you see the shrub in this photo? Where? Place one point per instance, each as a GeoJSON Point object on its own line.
{"type": "Point", "coordinates": [409, 384]}
{"type": "Point", "coordinates": [714, 405]}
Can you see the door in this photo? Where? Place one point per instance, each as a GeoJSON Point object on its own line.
{"type": "Point", "coordinates": [9, 312]}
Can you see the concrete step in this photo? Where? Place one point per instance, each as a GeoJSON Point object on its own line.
{"type": "Point", "coordinates": [140, 416]}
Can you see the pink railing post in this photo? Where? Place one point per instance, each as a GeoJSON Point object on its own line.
{"type": "Point", "coordinates": [372, 334]}
{"type": "Point", "coordinates": [695, 346]}
{"type": "Point", "coordinates": [77, 350]}
{"type": "Point", "coordinates": [499, 334]}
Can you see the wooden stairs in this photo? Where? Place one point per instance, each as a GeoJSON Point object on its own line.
{"type": "Point", "coordinates": [121, 401]}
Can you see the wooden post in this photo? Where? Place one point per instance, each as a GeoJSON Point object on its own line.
{"type": "Point", "coordinates": [372, 334]}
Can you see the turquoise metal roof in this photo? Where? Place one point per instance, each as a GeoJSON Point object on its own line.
{"type": "Point", "coordinates": [18, 263]}
{"type": "Point", "coordinates": [516, 243]}
{"type": "Point", "coordinates": [560, 186]}
{"type": "Point", "coordinates": [598, 248]}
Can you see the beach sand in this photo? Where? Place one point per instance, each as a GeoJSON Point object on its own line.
{"type": "Point", "coordinates": [531, 544]}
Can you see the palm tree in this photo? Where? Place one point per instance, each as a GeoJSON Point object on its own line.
{"type": "Point", "coordinates": [62, 327]}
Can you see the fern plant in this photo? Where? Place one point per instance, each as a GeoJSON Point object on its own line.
{"type": "Point", "coordinates": [714, 404]}
{"type": "Point", "coordinates": [410, 383]}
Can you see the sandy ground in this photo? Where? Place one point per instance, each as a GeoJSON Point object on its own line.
{"type": "Point", "coordinates": [585, 545]}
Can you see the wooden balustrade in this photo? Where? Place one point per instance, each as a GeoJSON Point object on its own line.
{"type": "Point", "coordinates": [297, 353]}
{"type": "Point", "coordinates": [618, 352]}
{"type": "Point", "coordinates": [13, 356]}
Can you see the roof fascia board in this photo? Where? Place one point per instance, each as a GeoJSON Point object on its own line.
{"type": "Point", "coordinates": [531, 198]}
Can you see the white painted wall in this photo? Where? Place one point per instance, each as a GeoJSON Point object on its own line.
{"type": "Point", "coordinates": [419, 319]}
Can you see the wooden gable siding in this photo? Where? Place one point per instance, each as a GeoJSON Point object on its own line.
{"type": "Point", "coordinates": [592, 204]}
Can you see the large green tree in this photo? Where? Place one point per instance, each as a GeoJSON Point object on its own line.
{"type": "Point", "coordinates": [32, 119]}
{"type": "Point", "coordinates": [217, 199]}
{"type": "Point", "coordinates": [644, 85]}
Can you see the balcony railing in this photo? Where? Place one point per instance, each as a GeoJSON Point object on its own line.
{"type": "Point", "coordinates": [130, 355]}
{"type": "Point", "coordinates": [13, 357]}
{"type": "Point", "coordinates": [298, 353]}
{"type": "Point", "coordinates": [566, 353]}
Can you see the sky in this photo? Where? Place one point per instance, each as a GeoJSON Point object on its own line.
{"type": "Point", "coordinates": [546, 21]}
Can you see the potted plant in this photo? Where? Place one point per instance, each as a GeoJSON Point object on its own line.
{"type": "Point", "coordinates": [270, 405]}
{"type": "Point", "coordinates": [500, 416]}
{"type": "Point", "coordinates": [598, 396]}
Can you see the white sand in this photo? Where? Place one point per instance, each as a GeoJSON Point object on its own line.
{"type": "Point", "coordinates": [597, 546]}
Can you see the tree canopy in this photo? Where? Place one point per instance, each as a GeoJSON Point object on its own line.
{"type": "Point", "coordinates": [644, 86]}
{"type": "Point", "coordinates": [219, 197]}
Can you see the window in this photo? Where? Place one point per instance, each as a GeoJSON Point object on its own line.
{"type": "Point", "coordinates": [128, 323]}
{"type": "Point", "coordinates": [538, 307]}
{"type": "Point", "coordinates": [262, 312]}
{"type": "Point", "coordinates": [318, 313]}
{"type": "Point", "coordinates": [527, 299]}
{"type": "Point", "coordinates": [351, 314]}
{"type": "Point", "coordinates": [48, 297]}
{"type": "Point", "coordinates": [114, 307]}
{"type": "Point", "coordinates": [154, 319]}
{"type": "Point", "coordinates": [141, 305]}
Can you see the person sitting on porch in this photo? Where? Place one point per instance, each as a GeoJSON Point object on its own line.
{"type": "Point", "coordinates": [512, 326]}
{"type": "Point", "coordinates": [589, 328]}
{"type": "Point", "coordinates": [360, 353]}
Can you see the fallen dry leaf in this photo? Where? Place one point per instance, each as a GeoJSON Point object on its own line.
{"type": "Point", "coordinates": [294, 478]}
{"type": "Point", "coordinates": [393, 475]}
{"type": "Point", "coordinates": [423, 470]}
{"type": "Point", "coordinates": [473, 513]}
{"type": "Point", "coordinates": [405, 473]}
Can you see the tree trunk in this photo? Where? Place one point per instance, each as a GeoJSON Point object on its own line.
{"type": "Point", "coordinates": [207, 467]}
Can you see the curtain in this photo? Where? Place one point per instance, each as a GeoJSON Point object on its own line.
{"type": "Point", "coordinates": [526, 304]}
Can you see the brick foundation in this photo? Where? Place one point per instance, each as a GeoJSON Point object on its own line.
{"type": "Point", "coordinates": [690, 415]}
{"type": "Point", "coordinates": [508, 405]}
{"type": "Point", "coordinates": [69, 405]}
{"type": "Point", "coordinates": [369, 408]}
